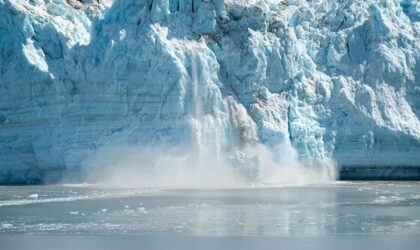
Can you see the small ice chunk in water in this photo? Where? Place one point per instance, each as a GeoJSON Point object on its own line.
{"type": "Point", "coordinates": [104, 210]}
{"type": "Point", "coordinates": [34, 196]}
{"type": "Point", "coordinates": [142, 210]}
{"type": "Point", "coordinates": [7, 225]}
{"type": "Point", "coordinates": [74, 212]}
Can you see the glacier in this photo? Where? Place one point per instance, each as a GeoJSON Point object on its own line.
{"type": "Point", "coordinates": [323, 82]}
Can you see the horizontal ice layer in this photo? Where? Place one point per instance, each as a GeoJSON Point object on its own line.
{"type": "Point", "coordinates": [335, 80]}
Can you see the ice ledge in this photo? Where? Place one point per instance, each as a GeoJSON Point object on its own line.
{"type": "Point", "coordinates": [380, 173]}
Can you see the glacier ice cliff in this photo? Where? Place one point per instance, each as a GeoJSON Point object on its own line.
{"type": "Point", "coordinates": [330, 80]}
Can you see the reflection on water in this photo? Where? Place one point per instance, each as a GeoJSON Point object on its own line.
{"type": "Point", "coordinates": [369, 208]}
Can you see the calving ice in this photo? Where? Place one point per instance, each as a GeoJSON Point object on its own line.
{"type": "Point", "coordinates": [182, 92]}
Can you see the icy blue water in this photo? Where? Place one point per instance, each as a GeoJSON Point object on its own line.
{"type": "Point", "coordinates": [381, 215]}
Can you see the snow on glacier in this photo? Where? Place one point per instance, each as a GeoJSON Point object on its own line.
{"type": "Point", "coordinates": [234, 82]}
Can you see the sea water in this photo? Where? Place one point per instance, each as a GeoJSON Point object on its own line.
{"type": "Point", "coordinates": [341, 215]}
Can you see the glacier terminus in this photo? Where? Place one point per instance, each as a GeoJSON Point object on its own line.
{"type": "Point", "coordinates": [224, 86]}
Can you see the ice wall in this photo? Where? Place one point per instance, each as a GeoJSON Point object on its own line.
{"type": "Point", "coordinates": [334, 79]}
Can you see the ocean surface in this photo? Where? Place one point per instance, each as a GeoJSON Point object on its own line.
{"type": "Point", "coordinates": [341, 215]}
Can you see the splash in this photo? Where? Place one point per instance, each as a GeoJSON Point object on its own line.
{"type": "Point", "coordinates": [182, 167]}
